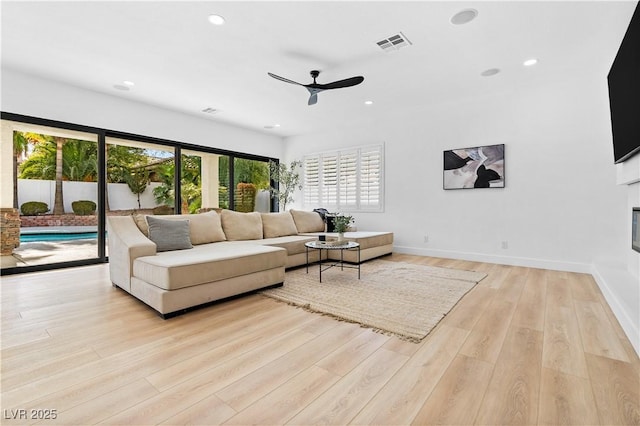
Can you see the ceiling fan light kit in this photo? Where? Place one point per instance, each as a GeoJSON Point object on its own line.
{"type": "Point", "coordinates": [315, 88]}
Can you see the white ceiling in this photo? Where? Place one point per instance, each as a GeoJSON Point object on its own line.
{"type": "Point", "coordinates": [178, 60]}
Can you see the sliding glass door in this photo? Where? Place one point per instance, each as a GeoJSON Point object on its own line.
{"type": "Point", "coordinates": [54, 187]}
{"type": "Point", "coordinates": [59, 182]}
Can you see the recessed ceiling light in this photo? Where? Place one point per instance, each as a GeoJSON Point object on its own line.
{"type": "Point", "coordinates": [210, 110]}
{"type": "Point", "coordinates": [271, 126]}
{"type": "Point", "coordinates": [216, 19]}
{"type": "Point", "coordinates": [128, 83]}
{"type": "Point", "coordinates": [464, 16]}
{"type": "Point", "coordinates": [121, 87]}
{"type": "Point", "coordinates": [530, 62]}
{"type": "Point", "coordinates": [490, 72]}
{"type": "Point", "coordinates": [368, 102]}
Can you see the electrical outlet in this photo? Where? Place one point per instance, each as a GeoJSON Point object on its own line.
{"type": "Point", "coordinates": [505, 245]}
{"type": "Point", "coordinates": [426, 238]}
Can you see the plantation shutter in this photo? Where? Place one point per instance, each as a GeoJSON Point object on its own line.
{"type": "Point", "coordinates": [329, 179]}
{"type": "Point", "coordinates": [341, 181]}
{"type": "Point", "coordinates": [311, 181]}
{"type": "Point", "coordinates": [348, 180]}
{"type": "Point", "coordinates": [370, 178]}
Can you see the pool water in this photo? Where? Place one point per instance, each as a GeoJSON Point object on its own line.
{"type": "Point", "coordinates": [32, 238]}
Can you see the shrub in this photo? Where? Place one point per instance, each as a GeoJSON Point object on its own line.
{"type": "Point", "coordinates": [245, 197]}
{"type": "Point", "coordinates": [34, 208]}
{"type": "Point", "coordinates": [163, 210]}
{"type": "Point", "coordinates": [84, 207]}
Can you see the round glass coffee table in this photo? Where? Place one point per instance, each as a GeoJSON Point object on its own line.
{"type": "Point", "coordinates": [325, 245]}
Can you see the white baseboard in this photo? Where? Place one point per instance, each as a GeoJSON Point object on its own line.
{"type": "Point", "coordinates": [604, 276]}
{"type": "Point", "coordinates": [503, 260]}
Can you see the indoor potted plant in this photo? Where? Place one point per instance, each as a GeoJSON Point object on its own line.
{"type": "Point", "coordinates": [341, 224]}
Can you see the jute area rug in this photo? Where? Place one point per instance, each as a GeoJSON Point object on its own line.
{"type": "Point", "coordinates": [396, 298]}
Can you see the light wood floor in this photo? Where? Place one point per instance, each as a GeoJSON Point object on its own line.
{"type": "Point", "coordinates": [525, 346]}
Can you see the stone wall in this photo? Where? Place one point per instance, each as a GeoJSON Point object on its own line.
{"type": "Point", "coordinates": [9, 230]}
{"type": "Point", "coordinates": [70, 219]}
{"type": "Point", "coordinates": [58, 220]}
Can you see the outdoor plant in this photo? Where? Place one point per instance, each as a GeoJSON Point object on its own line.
{"type": "Point", "coordinates": [34, 208]}
{"type": "Point", "coordinates": [137, 182]}
{"type": "Point", "coordinates": [287, 180]}
{"type": "Point", "coordinates": [164, 209]}
{"type": "Point", "coordinates": [84, 207]}
{"type": "Point", "coordinates": [164, 193]}
{"type": "Point", "coordinates": [341, 223]}
{"type": "Point", "coordinates": [245, 197]}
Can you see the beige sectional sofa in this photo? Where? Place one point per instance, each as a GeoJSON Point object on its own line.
{"type": "Point", "coordinates": [173, 263]}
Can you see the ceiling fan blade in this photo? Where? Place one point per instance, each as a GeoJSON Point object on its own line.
{"type": "Point", "coordinates": [286, 80]}
{"type": "Point", "coordinates": [348, 82]}
{"type": "Point", "coordinates": [315, 88]}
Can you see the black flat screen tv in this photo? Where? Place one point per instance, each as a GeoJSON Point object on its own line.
{"type": "Point", "coordinates": [624, 93]}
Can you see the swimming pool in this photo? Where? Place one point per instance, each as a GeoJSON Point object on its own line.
{"type": "Point", "coordinates": [40, 237]}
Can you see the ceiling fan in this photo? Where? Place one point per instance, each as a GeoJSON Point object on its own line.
{"type": "Point", "coordinates": [315, 88]}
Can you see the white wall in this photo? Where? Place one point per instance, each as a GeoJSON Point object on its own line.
{"type": "Point", "coordinates": [40, 190]}
{"type": "Point", "coordinates": [620, 280]}
{"type": "Point", "coordinates": [120, 196]}
{"type": "Point", "coordinates": [29, 95]}
{"type": "Point", "coordinates": [560, 209]}
{"type": "Point", "coordinates": [560, 179]}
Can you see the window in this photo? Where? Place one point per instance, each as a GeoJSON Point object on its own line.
{"type": "Point", "coordinates": [52, 181]}
{"type": "Point", "coordinates": [244, 184]}
{"type": "Point", "coordinates": [50, 165]}
{"type": "Point", "coordinates": [347, 180]}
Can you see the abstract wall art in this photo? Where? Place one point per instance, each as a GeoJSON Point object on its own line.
{"type": "Point", "coordinates": [477, 167]}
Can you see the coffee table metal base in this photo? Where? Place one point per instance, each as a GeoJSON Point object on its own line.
{"type": "Point", "coordinates": [350, 245]}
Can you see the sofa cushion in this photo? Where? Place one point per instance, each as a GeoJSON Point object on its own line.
{"type": "Point", "coordinates": [293, 244]}
{"type": "Point", "coordinates": [368, 240]}
{"type": "Point", "coordinates": [141, 222]}
{"type": "Point", "coordinates": [203, 227]}
{"type": "Point", "coordinates": [278, 225]}
{"type": "Point", "coordinates": [307, 221]}
{"type": "Point", "coordinates": [209, 228]}
{"type": "Point", "coordinates": [169, 234]}
{"type": "Point", "coordinates": [206, 263]}
{"type": "Point", "coordinates": [241, 226]}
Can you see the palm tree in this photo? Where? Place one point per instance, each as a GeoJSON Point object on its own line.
{"type": "Point", "coordinates": [41, 163]}
{"type": "Point", "coordinates": [46, 163]}
{"type": "Point", "coordinates": [58, 205]}
{"type": "Point", "coordinates": [20, 146]}
{"type": "Point", "coordinates": [21, 142]}
{"type": "Point", "coordinates": [80, 162]}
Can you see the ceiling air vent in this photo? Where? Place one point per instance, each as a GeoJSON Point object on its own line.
{"type": "Point", "coordinates": [210, 110]}
{"type": "Point", "coordinates": [394, 42]}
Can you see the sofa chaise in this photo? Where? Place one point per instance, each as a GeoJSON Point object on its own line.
{"type": "Point", "coordinates": [176, 262]}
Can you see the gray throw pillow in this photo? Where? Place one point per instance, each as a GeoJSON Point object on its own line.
{"type": "Point", "coordinates": [169, 234]}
